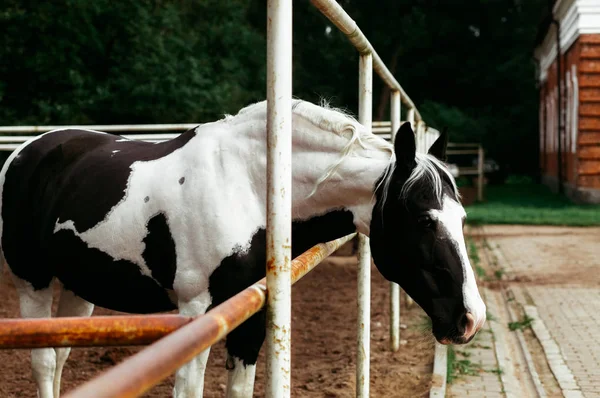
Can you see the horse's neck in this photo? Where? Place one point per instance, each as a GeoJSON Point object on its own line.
{"type": "Point", "coordinates": [314, 152]}
{"type": "Point", "coordinates": [350, 187]}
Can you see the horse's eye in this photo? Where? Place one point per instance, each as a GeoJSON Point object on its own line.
{"type": "Point", "coordinates": [425, 220]}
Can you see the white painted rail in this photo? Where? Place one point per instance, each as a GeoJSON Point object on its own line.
{"type": "Point", "coordinates": [99, 127]}
{"type": "Point", "coordinates": [17, 135]}
{"type": "Point", "coordinates": [394, 287]}
{"type": "Point", "coordinates": [365, 117]}
{"type": "Point", "coordinates": [279, 198]}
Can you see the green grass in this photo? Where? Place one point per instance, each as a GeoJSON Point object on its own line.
{"type": "Point", "coordinates": [475, 259]}
{"type": "Point", "coordinates": [520, 325]}
{"type": "Point", "coordinates": [451, 359]}
{"type": "Point", "coordinates": [457, 367]}
{"type": "Point", "coordinates": [498, 273]}
{"type": "Point", "coordinates": [529, 203]}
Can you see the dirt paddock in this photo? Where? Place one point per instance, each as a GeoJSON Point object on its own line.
{"type": "Point", "coordinates": [323, 345]}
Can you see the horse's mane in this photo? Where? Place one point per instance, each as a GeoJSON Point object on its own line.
{"type": "Point", "coordinates": [340, 122]}
{"type": "Point", "coordinates": [432, 170]}
{"type": "Point", "coordinates": [335, 120]}
{"type": "Point", "coordinates": [428, 168]}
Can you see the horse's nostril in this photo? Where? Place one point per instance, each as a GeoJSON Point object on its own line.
{"type": "Point", "coordinates": [469, 325]}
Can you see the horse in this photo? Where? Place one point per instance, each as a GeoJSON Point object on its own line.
{"type": "Point", "coordinates": [145, 227]}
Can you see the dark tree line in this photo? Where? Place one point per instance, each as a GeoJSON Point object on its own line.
{"type": "Point", "coordinates": [466, 63]}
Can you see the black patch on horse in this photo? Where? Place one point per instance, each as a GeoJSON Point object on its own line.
{"type": "Point", "coordinates": [101, 180]}
{"type": "Point", "coordinates": [98, 278]}
{"type": "Point", "coordinates": [243, 268]}
{"type": "Point", "coordinates": [159, 253]}
{"type": "Point", "coordinates": [66, 175]}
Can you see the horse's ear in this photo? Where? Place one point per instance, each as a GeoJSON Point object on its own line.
{"type": "Point", "coordinates": [405, 146]}
{"type": "Point", "coordinates": [438, 149]}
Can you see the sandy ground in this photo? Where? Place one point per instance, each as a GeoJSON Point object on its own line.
{"type": "Point", "coordinates": [323, 345]}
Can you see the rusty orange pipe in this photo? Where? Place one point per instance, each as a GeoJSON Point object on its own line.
{"type": "Point", "coordinates": [140, 372]}
{"type": "Point", "coordinates": [88, 332]}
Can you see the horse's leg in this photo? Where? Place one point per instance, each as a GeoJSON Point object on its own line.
{"type": "Point", "coordinates": [69, 305]}
{"type": "Point", "coordinates": [38, 304]}
{"type": "Point", "coordinates": [243, 345]}
{"type": "Point", "coordinates": [189, 379]}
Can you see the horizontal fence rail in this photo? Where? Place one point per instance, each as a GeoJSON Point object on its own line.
{"type": "Point", "coordinates": [99, 127]}
{"type": "Point", "coordinates": [97, 331]}
{"type": "Point", "coordinates": [119, 330]}
{"type": "Point", "coordinates": [11, 142]}
{"type": "Point", "coordinates": [140, 372]}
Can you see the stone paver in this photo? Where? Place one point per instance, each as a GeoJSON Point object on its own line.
{"type": "Point", "coordinates": [481, 353]}
{"type": "Point", "coordinates": [572, 316]}
{"type": "Point", "coordinates": [560, 269]}
{"type": "Point", "coordinates": [547, 255]}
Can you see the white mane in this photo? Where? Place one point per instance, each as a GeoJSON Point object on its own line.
{"type": "Point", "coordinates": [343, 124]}
{"type": "Point", "coordinates": [333, 120]}
{"type": "Point", "coordinates": [429, 167]}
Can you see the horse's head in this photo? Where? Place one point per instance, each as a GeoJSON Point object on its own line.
{"type": "Point", "coordinates": [417, 239]}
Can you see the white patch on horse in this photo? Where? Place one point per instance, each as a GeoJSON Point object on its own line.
{"type": "Point", "coordinates": [451, 217]}
{"type": "Point", "coordinates": [205, 166]}
{"type": "Point", "coordinates": [240, 379]}
{"type": "Point", "coordinates": [116, 151]}
{"type": "Point", "coordinates": [123, 140]}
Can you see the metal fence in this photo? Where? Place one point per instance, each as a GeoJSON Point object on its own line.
{"type": "Point", "coordinates": [187, 337]}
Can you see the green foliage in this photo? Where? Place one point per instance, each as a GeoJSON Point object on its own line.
{"type": "Point", "coordinates": [520, 325]}
{"type": "Point", "coordinates": [499, 273]}
{"type": "Point", "coordinates": [466, 64]}
{"type": "Point", "coordinates": [457, 367]}
{"type": "Point", "coordinates": [450, 360]}
{"type": "Point", "coordinates": [475, 259]}
{"type": "Point", "coordinates": [81, 61]}
{"type": "Point", "coordinates": [530, 204]}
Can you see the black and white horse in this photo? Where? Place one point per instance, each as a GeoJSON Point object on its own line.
{"type": "Point", "coordinates": [142, 227]}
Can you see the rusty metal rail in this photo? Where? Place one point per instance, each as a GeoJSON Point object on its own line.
{"type": "Point", "coordinates": [140, 372]}
{"type": "Point", "coordinates": [98, 331]}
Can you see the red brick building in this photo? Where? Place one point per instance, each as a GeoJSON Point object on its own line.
{"type": "Point", "coordinates": [570, 147]}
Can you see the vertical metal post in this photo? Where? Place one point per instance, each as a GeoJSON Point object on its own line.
{"type": "Point", "coordinates": [279, 196]}
{"type": "Point", "coordinates": [480, 173]}
{"type": "Point", "coordinates": [365, 117]}
{"type": "Point", "coordinates": [410, 116]}
{"type": "Point", "coordinates": [394, 287]}
{"type": "Point", "coordinates": [421, 138]}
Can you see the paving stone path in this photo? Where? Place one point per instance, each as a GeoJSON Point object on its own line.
{"type": "Point", "coordinates": [554, 275]}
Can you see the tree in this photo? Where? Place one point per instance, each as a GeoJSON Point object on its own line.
{"type": "Point", "coordinates": [83, 61]}
{"type": "Point", "coordinates": [465, 63]}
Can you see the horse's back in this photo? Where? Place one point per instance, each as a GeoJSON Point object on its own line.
{"type": "Point", "coordinates": [77, 177]}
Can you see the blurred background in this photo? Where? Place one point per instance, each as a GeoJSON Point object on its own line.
{"type": "Point", "coordinates": [469, 65]}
